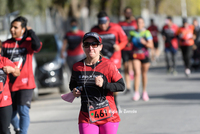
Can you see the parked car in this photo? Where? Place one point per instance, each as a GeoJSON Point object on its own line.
{"type": "Point", "coordinates": [50, 70]}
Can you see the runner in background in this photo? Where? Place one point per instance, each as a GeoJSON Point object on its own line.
{"type": "Point", "coordinates": [196, 47]}
{"type": "Point", "coordinates": [142, 40]}
{"type": "Point", "coordinates": [169, 33]}
{"type": "Point", "coordinates": [20, 49]}
{"type": "Point", "coordinates": [72, 44]}
{"type": "Point", "coordinates": [129, 24]}
{"type": "Point", "coordinates": [114, 40]}
{"type": "Point", "coordinates": [155, 52]}
{"type": "Point", "coordinates": [186, 42]}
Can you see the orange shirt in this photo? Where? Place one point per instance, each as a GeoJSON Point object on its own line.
{"type": "Point", "coordinates": [186, 35]}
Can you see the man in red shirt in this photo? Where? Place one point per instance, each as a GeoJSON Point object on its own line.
{"type": "Point", "coordinates": [20, 49]}
{"type": "Point", "coordinates": [113, 38]}
{"type": "Point", "coordinates": [72, 43]}
{"type": "Point", "coordinates": [154, 32]}
{"type": "Point", "coordinates": [169, 33]}
{"type": "Point", "coordinates": [129, 24]}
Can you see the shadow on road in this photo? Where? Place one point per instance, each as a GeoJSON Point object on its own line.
{"type": "Point", "coordinates": [52, 121]}
{"type": "Point", "coordinates": [178, 96]}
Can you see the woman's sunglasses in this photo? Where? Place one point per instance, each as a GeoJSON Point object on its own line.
{"type": "Point", "coordinates": [88, 44]}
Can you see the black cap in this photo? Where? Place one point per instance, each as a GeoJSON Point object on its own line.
{"type": "Point", "coordinates": [103, 20]}
{"type": "Point", "coordinates": [94, 35]}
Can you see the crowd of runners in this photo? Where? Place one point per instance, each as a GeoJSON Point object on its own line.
{"type": "Point", "coordinates": [96, 60]}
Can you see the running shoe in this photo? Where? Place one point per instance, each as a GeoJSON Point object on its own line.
{"type": "Point", "coordinates": [145, 96]}
{"type": "Point", "coordinates": [187, 72]}
{"type": "Point", "coordinates": [127, 91]}
{"type": "Point", "coordinates": [136, 96]}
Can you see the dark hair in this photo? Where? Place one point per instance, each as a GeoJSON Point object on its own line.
{"type": "Point", "coordinates": [195, 19]}
{"type": "Point", "coordinates": [102, 14]}
{"type": "Point", "coordinates": [127, 8]}
{"type": "Point", "coordinates": [152, 20]}
{"type": "Point", "coordinates": [169, 18]}
{"type": "Point", "coordinates": [21, 19]}
{"type": "Point", "coordinates": [73, 20]}
{"type": "Point", "coordinates": [184, 20]}
{"type": "Point", "coordinates": [140, 17]}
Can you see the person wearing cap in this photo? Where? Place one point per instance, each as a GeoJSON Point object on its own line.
{"type": "Point", "coordinates": [72, 44]}
{"type": "Point", "coordinates": [186, 42]}
{"type": "Point", "coordinates": [128, 25]}
{"type": "Point", "coordinates": [98, 78]}
{"type": "Point", "coordinates": [114, 40]}
{"type": "Point", "coordinates": [169, 34]}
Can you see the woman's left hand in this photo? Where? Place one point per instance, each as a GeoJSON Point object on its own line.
{"type": "Point", "coordinates": [8, 69]}
{"type": "Point", "coordinates": [99, 81]}
{"type": "Point", "coordinates": [143, 41]}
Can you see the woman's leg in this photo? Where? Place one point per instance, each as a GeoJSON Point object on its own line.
{"type": "Point", "coordinates": [86, 128]}
{"type": "Point", "coordinates": [109, 128]}
{"type": "Point", "coordinates": [5, 118]}
{"type": "Point", "coordinates": [137, 73]}
{"type": "Point", "coordinates": [145, 68]}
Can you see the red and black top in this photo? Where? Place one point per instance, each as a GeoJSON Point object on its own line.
{"type": "Point", "coordinates": [74, 43]}
{"type": "Point", "coordinates": [113, 82]}
{"type": "Point", "coordinates": [113, 35]}
{"type": "Point", "coordinates": [154, 32]}
{"type": "Point", "coordinates": [170, 33]}
{"type": "Point", "coordinates": [127, 27]}
{"type": "Point", "coordinates": [5, 97]}
{"type": "Point", "coordinates": [22, 50]}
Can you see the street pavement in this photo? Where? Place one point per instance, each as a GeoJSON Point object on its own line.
{"type": "Point", "coordinates": [173, 108]}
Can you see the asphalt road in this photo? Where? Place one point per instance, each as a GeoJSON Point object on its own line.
{"type": "Point", "coordinates": [174, 107]}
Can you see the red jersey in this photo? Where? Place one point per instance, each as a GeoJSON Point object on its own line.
{"type": "Point", "coordinates": [86, 74]}
{"type": "Point", "coordinates": [22, 50]}
{"type": "Point", "coordinates": [170, 34]}
{"type": "Point", "coordinates": [113, 35]}
{"type": "Point", "coordinates": [154, 32]}
{"type": "Point", "coordinates": [5, 97]}
{"type": "Point", "coordinates": [186, 35]}
{"type": "Point", "coordinates": [74, 43]}
{"type": "Point", "coordinates": [127, 27]}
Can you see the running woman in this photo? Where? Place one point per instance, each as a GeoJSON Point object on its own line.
{"type": "Point", "coordinates": [154, 32]}
{"type": "Point", "coordinates": [169, 33]}
{"type": "Point", "coordinates": [186, 41]}
{"type": "Point", "coordinates": [129, 24]}
{"type": "Point", "coordinates": [20, 49]}
{"type": "Point", "coordinates": [6, 67]}
{"type": "Point", "coordinates": [95, 78]}
{"type": "Point", "coordinates": [142, 40]}
{"type": "Point", "coordinates": [113, 38]}
{"type": "Point", "coordinates": [72, 44]}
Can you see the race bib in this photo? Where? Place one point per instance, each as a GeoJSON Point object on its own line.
{"type": "Point", "coordinates": [99, 111]}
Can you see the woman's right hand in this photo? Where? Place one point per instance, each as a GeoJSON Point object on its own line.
{"type": "Point", "coordinates": [76, 92]}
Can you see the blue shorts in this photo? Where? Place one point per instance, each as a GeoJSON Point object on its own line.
{"type": "Point", "coordinates": [171, 50]}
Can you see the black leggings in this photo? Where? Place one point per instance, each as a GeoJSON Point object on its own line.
{"type": "Point", "coordinates": [5, 118]}
{"type": "Point", "coordinates": [187, 55]}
